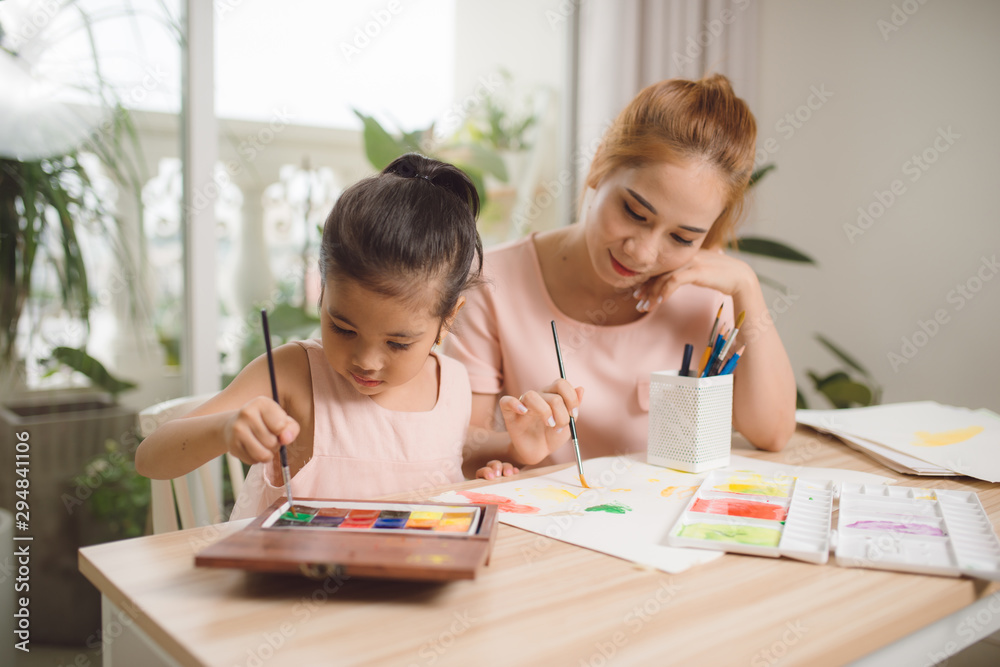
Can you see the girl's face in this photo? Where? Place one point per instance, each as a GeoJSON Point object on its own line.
{"type": "Point", "coordinates": [646, 221]}
{"type": "Point", "coordinates": [377, 343]}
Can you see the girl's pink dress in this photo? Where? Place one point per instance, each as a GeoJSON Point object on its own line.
{"type": "Point", "coordinates": [362, 450]}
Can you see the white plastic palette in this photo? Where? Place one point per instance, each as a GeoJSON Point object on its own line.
{"type": "Point", "coordinates": [905, 529]}
{"type": "Point", "coordinates": [748, 513]}
{"type": "Point", "coordinates": [916, 530]}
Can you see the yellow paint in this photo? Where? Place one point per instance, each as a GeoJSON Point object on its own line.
{"type": "Point", "coordinates": [651, 479]}
{"type": "Point", "coordinates": [616, 490]}
{"type": "Point", "coordinates": [555, 493]}
{"type": "Point", "coordinates": [942, 438]}
{"type": "Point", "coordinates": [754, 483]}
{"type": "Point", "coordinates": [679, 492]}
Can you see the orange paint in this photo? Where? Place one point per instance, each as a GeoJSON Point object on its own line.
{"type": "Point", "coordinates": [680, 491]}
{"type": "Point", "coordinates": [503, 504]}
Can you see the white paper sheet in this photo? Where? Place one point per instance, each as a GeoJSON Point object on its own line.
{"type": "Point", "coordinates": [958, 439]}
{"type": "Point", "coordinates": [642, 502]}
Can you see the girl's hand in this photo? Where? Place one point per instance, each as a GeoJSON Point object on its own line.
{"type": "Point", "coordinates": [709, 268]}
{"type": "Point", "coordinates": [496, 469]}
{"type": "Point", "coordinates": [537, 421]}
{"type": "Point", "coordinates": [255, 432]}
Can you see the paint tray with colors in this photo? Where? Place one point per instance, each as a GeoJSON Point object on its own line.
{"type": "Point", "coordinates": [320, 538]}
{"type": "Point", "coordinates": [373, 517]}
{"type": "Point", "coordinates": [926, 531]}
{"type": "Point", "coordinates": [749, 513]}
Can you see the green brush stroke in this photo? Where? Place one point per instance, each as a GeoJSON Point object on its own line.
{"type": "Point", "coordinates": [717, 532]}
{"type": "Point", "coordinates": [610, 508]}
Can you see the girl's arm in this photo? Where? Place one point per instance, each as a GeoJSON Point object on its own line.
{"type": "Point", "coordinates": [764, 383]}
{"type": "Point", "coordinates": [242, 419]}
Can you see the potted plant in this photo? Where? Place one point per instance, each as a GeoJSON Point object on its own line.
{"type": "Point", "coordinates": [54, 213]}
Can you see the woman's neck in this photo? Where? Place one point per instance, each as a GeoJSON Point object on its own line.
{"type": "Point", "coordinates": [572, 282]}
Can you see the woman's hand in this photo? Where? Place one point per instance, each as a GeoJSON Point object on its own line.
{"type": "Point", "coordinates": [709, 268]}
{"type": "Point", "coordinates": [495, 469]}
{"type": "Point", "coordinates": [537, 421]}
{"type": "Point", "coordinates": [258, 429]}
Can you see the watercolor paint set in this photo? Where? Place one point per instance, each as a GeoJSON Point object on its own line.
{"type": "Point", "coordinates": [377, 517]}
{"type": "Point", "coordinates": [924, 531]}
{"type": "Point", "coordinates": [749, 513]}
{"type": "Point", "coordinates": [422, 541]}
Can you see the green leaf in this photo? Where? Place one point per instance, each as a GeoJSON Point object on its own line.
{"type": "Point", "coordinates": [82, 362]}
{"type": "Point", "coordinates": [843, 393]}
{"type": "Point", "coordinates": [836, 376]}
{"type": "Point", "coordinates": [760, 173]}
{"type": "Point", "coordinates": [290, 323]}
{"type": "Point", "coordinates": [843, 356]}
{"type": "Point", "coordinates": [381, 148]}
{"type": "Point", "coordinates": [800, 400]}
{"type": "Point", "coordinates": [756, 245]}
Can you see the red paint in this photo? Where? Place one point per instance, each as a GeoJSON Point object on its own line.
{"type": "Point", "coordinates": [733, 507]}
{"type": "Point", "coordinates": [360, 519]}
{"type": "Point", "coordinates": [503, 504]}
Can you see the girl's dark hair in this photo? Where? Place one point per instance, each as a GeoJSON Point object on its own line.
{"type": "Point", "coordinates": [407, 228]}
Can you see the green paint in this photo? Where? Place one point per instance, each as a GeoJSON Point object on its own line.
{"type": "Point", "coordinates": [614, 507]}
{"type": "Point", "coordinates": [718, 532]}
{"type": "Point", "coordinates": [292, 516]}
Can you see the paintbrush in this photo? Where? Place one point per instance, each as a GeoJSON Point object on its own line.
{"type": "Point", "coordinates": [274, 394]}
{"type": "Point", "coordinates": [711, 342]}
{"type": "Point", "coordinates": [720, 362]}
{"type": "Point", "coordinates": [572, 421]}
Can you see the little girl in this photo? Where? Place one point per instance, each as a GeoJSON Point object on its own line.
{"type": "Point", "coordinates": [370, 409]}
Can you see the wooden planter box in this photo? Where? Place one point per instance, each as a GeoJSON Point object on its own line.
{"type": "Point", "coordinates": [65, 430]}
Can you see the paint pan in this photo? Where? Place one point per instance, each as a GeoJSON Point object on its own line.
{"type": "Point", "coordinates": [925, 531]}
{"type": "Point", "coordinates": [329, 517]}
{"type": "Point", "coordinates": [749, 513]}
{"type": "Point", "coordinates": [424, 520]}
{"type": "Point", "coordinates": [392, 519]}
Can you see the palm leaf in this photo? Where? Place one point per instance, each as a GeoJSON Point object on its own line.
{"type": "Point", "coordinates": [760, 173]}
{"type": "Point", "coordinates": [95, 371]}
{"type": "Point", "coordinates": [843, 356]}
{"type": "Point", "coordinates": [756, 245]}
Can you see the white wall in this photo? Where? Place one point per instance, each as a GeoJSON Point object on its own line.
{"type": "Point", "coordinates": [890, 94]}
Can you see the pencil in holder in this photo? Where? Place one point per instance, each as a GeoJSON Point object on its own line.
{"type": "Point", "coordinates": [690, 421]}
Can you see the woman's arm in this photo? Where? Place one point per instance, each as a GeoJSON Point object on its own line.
{"type": "Point", "coordinates": [764, 382]}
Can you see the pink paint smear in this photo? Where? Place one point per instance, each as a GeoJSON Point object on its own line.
{"type": "Point", "coordinates": [503, 504]}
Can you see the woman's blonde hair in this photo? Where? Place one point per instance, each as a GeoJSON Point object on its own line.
{"type": "Point", "coordinates": [678, 120]}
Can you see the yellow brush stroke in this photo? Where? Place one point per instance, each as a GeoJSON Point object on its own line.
{"type": "Point", "coordinates": [680, 491]}
{"type": "Point", "coordinates": [942, 438]}
{"type": "Point", "coordinates": [653, 480]}
{"type": "Point", "coordinates": [555, 493]}
{"type": "Point", "coordinates": [615, 490]}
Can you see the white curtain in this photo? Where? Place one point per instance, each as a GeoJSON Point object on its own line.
{"type": "Point", "coordinates": [628, 44]}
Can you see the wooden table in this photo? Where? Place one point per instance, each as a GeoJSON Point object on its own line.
{"type": "Point", "coordinates": [541, 601]}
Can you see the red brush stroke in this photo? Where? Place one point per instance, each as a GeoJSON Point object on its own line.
{"type": "Point", "coordinates": [740, 508]}
{"type": "Point", "coordinates": [503, 504]}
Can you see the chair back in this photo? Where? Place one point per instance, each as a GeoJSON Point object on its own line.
{"type": "Point", "coordinates": [197, 496]}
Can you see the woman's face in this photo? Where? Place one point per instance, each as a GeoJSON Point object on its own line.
{"type": "Point", "coordinates": [646, 221]}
